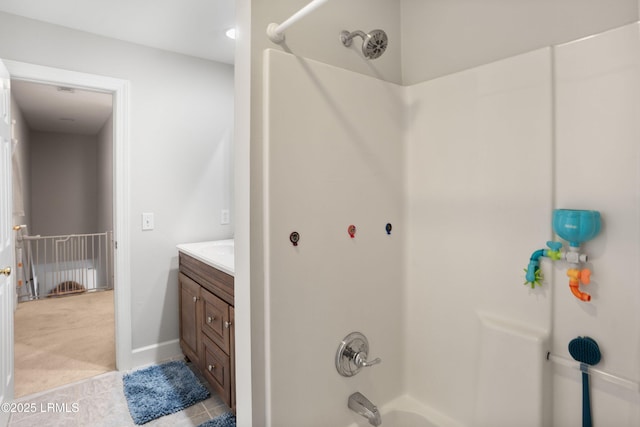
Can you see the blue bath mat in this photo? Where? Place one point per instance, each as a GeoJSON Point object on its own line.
{"type": "Point", "coordinates": [161, 390]}
{"type": "Point", "coordinates": [225, 420]}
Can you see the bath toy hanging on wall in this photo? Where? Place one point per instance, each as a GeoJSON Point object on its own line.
{"type": "Point", "coordinates": [576, 227]}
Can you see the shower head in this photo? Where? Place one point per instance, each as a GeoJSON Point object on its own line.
{"type": "Point", "coordinates": [374, 43]}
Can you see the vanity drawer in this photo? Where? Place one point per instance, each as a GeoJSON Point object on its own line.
{"type": "Point", "coordinates": [217, 369]}
{"type": "Point", "coordinates": [215, 320]}
{"type": "Point", "coordinates": [210, 278]}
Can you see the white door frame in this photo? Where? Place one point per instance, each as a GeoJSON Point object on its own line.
{"type": "Point", "coordinates": [7, 258]}
{"type": "Point", "coordinates": [120, 90]}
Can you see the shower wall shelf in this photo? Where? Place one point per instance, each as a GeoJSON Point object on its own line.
{"type": "Point", "coordinates": [622, 382]}
{"type": "Point", "coordinates": [275, 32]}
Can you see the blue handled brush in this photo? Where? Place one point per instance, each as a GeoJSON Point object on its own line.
{"type": "Point", "coordinates": [586, 351]}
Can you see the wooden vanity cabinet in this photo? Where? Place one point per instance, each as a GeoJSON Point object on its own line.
{"type": "Point", "coordinates": [206, 324]}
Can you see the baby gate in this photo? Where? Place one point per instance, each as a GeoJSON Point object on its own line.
{"type": "Point", "coordinates": [60, 265]}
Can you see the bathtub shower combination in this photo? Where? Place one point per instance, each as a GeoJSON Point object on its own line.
{"type": "Point", "coordinates": [62, 265]}
{"type": "Point", "coordinates": [468, 168]}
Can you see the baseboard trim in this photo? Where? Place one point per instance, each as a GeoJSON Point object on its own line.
{"type": "Point", "coordinates": [155, 353]}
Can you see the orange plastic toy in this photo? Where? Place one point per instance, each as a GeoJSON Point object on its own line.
{"type": "Point", "coordinates": [575, 278]}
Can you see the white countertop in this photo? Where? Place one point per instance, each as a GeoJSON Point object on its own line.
{"type": "Point", "coordinates": [216, 253]}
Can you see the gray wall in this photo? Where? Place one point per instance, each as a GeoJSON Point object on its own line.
{"type": "Point", "coordinates": [105, 177]}
{"type": "Point", "coordinates": [63, 184]}
{"type": "Point", "coordinates": [317, 35]}
{"type": "Point", "coordinates": [181, 116]}
{"type": "Point", "coordinates": [441, 37]}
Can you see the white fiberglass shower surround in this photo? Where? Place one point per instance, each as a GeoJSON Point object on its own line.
{"type": "Point", "coordinates": [468, 169]}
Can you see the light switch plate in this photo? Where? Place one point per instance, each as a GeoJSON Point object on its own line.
{"type": "Point", "coordinates": [224, 216]}
{"type": "Point", "coordinates": [147, 221]}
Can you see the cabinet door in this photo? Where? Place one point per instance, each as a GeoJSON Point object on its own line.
{"type": "Point", "coordinates": [217, 369]}
{"type": "Point", "coordinates": [215, 320]}
{"type": "Point", "coordinates": [190, 318]}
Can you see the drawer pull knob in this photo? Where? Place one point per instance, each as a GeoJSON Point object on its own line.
{"type": "Point", "coordinates": [227, 324]}
{"type": "Point", "coordinates": [211, 319]}
{"type": "Point", "coordinates": [195, 299]}
{"type": "Point", "coordinates": [211, 367]}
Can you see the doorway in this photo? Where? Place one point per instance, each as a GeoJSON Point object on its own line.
{"type": "Point", "coordinates": [63, 192]}
{"type": "Point", "coordinates": [63, 204]}
{"type": "Point", "coordinates": [119, 89]}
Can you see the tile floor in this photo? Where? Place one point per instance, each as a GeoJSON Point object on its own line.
{"type": "Point", "coordinates": [100, 402]}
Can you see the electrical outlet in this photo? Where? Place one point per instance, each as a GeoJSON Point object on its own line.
{"type": "Point", "coordinates": [147, 221]}
{"type": "Point", "coordinates": [224, 216]}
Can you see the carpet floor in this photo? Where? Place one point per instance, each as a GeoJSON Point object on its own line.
{"type": "Point", "coordinates": [63, 340]}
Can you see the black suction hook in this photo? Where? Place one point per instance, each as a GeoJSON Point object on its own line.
{"type": "Point", "coordinates": [294, 238]}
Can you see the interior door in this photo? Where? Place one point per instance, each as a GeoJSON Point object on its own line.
{"type": "Point", "coordinates": [6, 249]}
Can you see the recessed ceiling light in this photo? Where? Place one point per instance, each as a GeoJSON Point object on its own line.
{"type": "Point", "coordinates": [231, 33]}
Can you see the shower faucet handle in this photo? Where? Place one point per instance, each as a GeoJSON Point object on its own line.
{"type": "Point", "coordinates": [360, 359]}
{"type": "Point", "coordinates": [352, 355]}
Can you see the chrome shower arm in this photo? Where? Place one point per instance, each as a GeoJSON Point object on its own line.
{"type": "Point", "coordinates": [347, 38]}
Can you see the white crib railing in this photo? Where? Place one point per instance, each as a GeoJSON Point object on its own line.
{"type": "Point", "coordinates": [60, 265]}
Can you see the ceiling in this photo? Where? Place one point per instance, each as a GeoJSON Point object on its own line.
{"type": "Point", "coordinates": [48, 108]}
{"type": "Point", "coordinates": [191, 27]}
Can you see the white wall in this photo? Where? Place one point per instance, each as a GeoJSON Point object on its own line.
{"type": "Point", "coordinates": [250, 369]}
{"type": "Point", "coordinates": [181, 115]}
{"type": "Point", "coordinates": [442, 37]}
{"type": "Point", "coordinates": [334, 158]}
{"type": "Point", "coordinates": [316, 37]}
{"type": "Point", "coordinates": [479, 176]}
{"type": "Point", "coordinates": [63, 183]}
{"type": "Point", "coordinates": [487, 163]}
{"type": "Point", "coordinates": [597, 167]}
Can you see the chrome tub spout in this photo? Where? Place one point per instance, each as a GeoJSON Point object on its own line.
{"type": "Point", "coordinates": [363, 406]}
